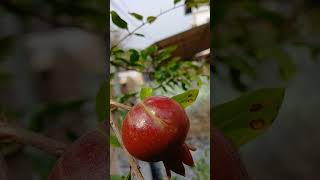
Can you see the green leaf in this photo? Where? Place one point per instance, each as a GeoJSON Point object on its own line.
{"type": "Point", "coordinates": [248, 116]}
{"type": "Point", "coordinates": [134, 57]}
{"type": "Point", "coordinates": [116, 51]}
{"type": "Point", "coordinates": [148, 51]}
{"type": "Point", "coordinates": [286, 66]}
{"type": "Point", "coordinates": [102, 102]}
{"type": "Point", "coordinates": [145, 92]}
{"type": "Point", "coordinates": [126, 97]}
{"type": "Point", "coordinates": [176, 1]}
{"type": "Point", "coordinates": [114, 141]}
{"type": "Point", "coordinates": [116, 19]}
{"type": "Point", "coordinates": [128, 175]}
{"type": "Point", "coordinates": [165, 53]}
{"type": "Point", "coordinates": [187, 98]}
{"type": "Point", "coordinates": [137, 16]}
{"type": "Point", "coordinates": [116, 177]}
{"type": "Point", "coordinates": [150, 19]}
{"type": "Point", "coordinates": [138, 34]}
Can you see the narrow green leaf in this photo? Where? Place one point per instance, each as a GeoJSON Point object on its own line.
{"type": "Point", "coordinates": [176, 1]}
{"type": "Point", "coordinates": [145, 92]}
{"type": "Point", "coordinates": [148, 51]}
{"type": "Point", "coordinates": [102, 102]}
{"type": "Point", "coordinates": [137, 16]}
{"type": "Point", "coordinates": [165, 53]}
{"type": "Point", "coordinates": [248, 116]}
{"type": "Point", "coordinates": [151, 19]}
{"type": "Point", "coordinates": [286, 66]}
{"type": "Point", "coordinates": [116, 177]}
{"type": "Point", "coordinates": [134, 57]}
{"type": "Point", "coordinates": [138, 34]}
{"type": "Point", "coordinates": [116, 51]}
{"type": "Point", "coordinates": [114, 141]}
{"type": "Point", "coordinates": [126, 97]}
{"type": "Point", "coordinates": [116, 19]}
{"type": "Point", "coordinates": [187, 98]}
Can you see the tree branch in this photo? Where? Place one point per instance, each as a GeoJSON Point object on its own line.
{"type": "Point", "coordinates": [144, 23]}
{"type": "Point", "coordinates": [132, 161]}
{"type": "Point", "coordinates": [23, 136]}
{"type": "Point", "coordinates": [116, 104]}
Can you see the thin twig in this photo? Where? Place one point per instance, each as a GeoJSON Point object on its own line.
{"type": "Point", "coordinates": [146, 22]}
{"type": "Point", "coordinates": [132, 161]}
{"type": "Point", "coordinates": [123, 106]}
{"type": "Point", "coordinates": [23, 136]}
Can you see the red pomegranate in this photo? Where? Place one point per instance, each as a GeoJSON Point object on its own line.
{"type": "Point", "coordinates": [85, 159]}
{"type": "Point", "coordinates": [155, 130]}
{"type": "Point", "coordinates": [226, 162]}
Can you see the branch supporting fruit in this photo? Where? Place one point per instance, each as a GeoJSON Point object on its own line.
{"type": "Point", "coordinates": [133, 163]}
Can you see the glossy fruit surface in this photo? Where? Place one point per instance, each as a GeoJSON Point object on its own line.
{"type": "Point", "coordinates": [226, 162]}
{"type": "Point", "coordinates": [155, 130]}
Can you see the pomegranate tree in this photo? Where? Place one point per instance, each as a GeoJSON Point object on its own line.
{"type": "Point", "coordinates": [155, 130]}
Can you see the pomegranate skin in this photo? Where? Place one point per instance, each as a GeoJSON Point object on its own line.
{"type": "Point", "coordinates": [85, 159]}
{"type": "Point", "coordinates": [226, 162]}
{"type": "Point", "coordinates": [155, 130]}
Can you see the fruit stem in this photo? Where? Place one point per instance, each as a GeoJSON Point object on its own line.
{"type": "Point", "coordinates": [132, 161]}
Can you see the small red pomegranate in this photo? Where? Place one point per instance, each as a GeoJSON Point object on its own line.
{"type": "Point", "coordinates": [85, 159]}
{"type": "Point", "coordinates": [226, 162]}
{"type": "Point", "coordinates": [155, 130]}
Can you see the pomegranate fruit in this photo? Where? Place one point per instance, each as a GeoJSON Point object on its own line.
{"type": "Point", "coordinates": [226, 160]}
{"type": "Point", "coordinates": [155, 130]}
{"type": "Point", "coordinates": [85, 159]}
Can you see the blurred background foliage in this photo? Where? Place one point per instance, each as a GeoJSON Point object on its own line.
{"type": "Point", "coordinates": [52, 60]}
{"type": "Point", "coordinates": [248, 33]}
{"type": "Point", "coordinates": [268, 43]}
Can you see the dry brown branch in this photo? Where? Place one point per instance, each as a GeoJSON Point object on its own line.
{"type": "Point", "coordinates": [144, 23]}
{"type": "Point", "coordinates": [116, 104]}
{"type": "Point", "coordinates": [133, 163]}
{"type": "Point", "coordinates": [26, 137]}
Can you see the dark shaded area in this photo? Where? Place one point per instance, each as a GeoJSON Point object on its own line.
{"type": "Point", "coordinates": [52, 62]}
{"type": "Point", "coordinates": [262, 44]}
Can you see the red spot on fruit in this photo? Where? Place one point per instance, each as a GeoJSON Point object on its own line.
{"type": "Point", "coordinates": [155, 130]}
